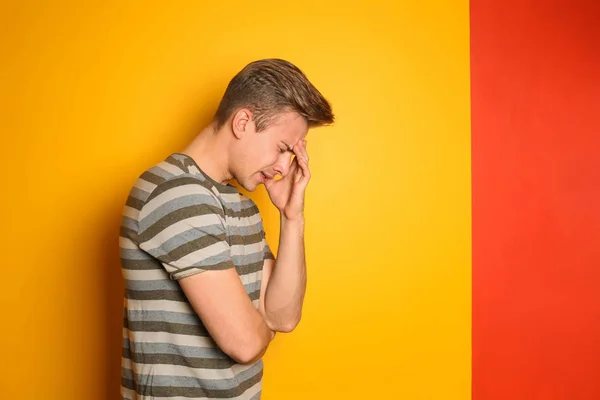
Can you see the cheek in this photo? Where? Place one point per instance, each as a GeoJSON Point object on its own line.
{"type": "Point", "coordinates": [268, 155]}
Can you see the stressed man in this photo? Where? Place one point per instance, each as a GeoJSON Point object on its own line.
{"type": "Point", "coordinates": [204, 293]}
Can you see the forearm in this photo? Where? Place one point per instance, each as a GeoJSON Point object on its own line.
{"type": "Point", "coordinates": [256, 348]}
{"type": "Point", "coordinates": [285, 291]}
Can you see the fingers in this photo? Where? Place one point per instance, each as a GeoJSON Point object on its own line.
{"type": "Point", "coordinates": [300, 150]}
{"type": "Point", "coordinates": [305, 170]}
{"type": "Point", "coordinates": [302, 159]}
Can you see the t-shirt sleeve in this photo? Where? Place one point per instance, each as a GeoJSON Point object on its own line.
{"type": "Point", "coordinates": [182, 224]}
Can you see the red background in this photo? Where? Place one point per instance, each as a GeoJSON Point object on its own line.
{"type": "Point", "coordinates": [536, 199]}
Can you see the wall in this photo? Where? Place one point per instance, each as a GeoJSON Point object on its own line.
{"type": "Point", "coordinates": [92, 93]}
{"type": "Point", "coordinates": [536, 220]}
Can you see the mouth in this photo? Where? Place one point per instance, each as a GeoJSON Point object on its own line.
{"type": "Point", "coordinates": [265, 176]}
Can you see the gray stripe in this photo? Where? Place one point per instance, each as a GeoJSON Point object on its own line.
{"type": "Point", "coordinates": [162, 284]}
{"type": "Point", "coordinates": [251, 287]}
{"type": "Point", "coordinates": [247, 258]}
{"type": "Point", "coordinates": [128, 384]}
{"type": "Point", "coordinates": [134, 203]}
{"type": "Point", "coordinates": [254, 295]}
{"type": "Point", "coordinates": [159, 326]}
{"type": "Point", "coordinates": [177, 203]}
{"type": "Point", "coordinates": [246, 240]}
{"type": "Point", "coordinates": [126, 373]}
{"type": "Point", "coordinates": [139, 194]}
{"type": "Point", "coordinates": [129, 223]}
{"type": "Point", "coordinates": [249, 268]}
{"type": "Point", "coordinates": [141, 265]}
{"type": "Point", "coordinates": [245, 213]}
{"type": "Point", "coordinates": [184, 161]}
{"type": "Point", "coordinates": [210, 384]}
{"type": "Point", "coordinates": [155, 176]}
{"type": "Point", "coordinates": [191, 235]}
{"type": "Point", "coordinates": [148, 231]}
{"type": "Point", "coordinates": [163, 316]}
{"type": "Point", "coordinates": [187, 248]}
{"type": "Point", "coordinates": [172, 295]}
{"type": "Point", "coordinates": [173, 359]}
{"type": "Point", "coordinates": [128, 233]}
{"type": "Point", "coordinates": [268, 253]}
{"type": "Point", "coordinates": [244, 230]}
{"type": "Point", "coordinates": [134, 254]}
{"type": "Point", "coordinates": [169, 348]}
{"type": "Point", "coordinates": [177, 160]}
{"type": "Point", "coordinates": [237, 206]}
{"type": "Point", "coordinates": [159, 171]}
{"type": "Point", "coordinates": [160, 391]}
{"type": "Point", "coordinates": [176, 181]}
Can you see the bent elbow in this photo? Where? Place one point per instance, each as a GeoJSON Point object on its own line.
{"type": "Point", "coordinates": [246, 353]}
{"type": "Point", "coordinates": [288, 325]}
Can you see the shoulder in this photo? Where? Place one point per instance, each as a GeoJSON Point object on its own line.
{"type": "Point", "coordinates": [178, 198]}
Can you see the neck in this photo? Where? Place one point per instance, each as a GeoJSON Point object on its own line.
{"type": "Point", "coordinates": [209, 149]}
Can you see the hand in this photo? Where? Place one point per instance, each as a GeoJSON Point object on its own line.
{"type": "Point", "coordinates": [287, 194]}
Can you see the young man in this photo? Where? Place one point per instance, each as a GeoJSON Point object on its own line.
{"type": "Point", "coordinates": [204, 294]}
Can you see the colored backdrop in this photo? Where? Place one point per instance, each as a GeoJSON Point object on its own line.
{"type": "Point", "coordinates": [535, 69]}
{"type": "Point", "coordinates": [94, 92]}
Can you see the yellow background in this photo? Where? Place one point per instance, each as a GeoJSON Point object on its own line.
{"type": "Point", "coordinates": [92, 93]}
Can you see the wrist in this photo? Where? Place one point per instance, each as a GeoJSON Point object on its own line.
{"type": "Point", "coordinates": [292, 219]}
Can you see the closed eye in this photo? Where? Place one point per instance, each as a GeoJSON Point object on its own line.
{"type": "Point", "coordinates": [287, 147]}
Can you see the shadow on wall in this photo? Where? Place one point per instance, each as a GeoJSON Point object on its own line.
{"type": "Point", "coordinates": [113, 301]}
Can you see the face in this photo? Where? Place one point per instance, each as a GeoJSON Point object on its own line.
{"type": "Point", "coordinates": [259, 156]}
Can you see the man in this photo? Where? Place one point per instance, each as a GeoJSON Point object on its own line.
{"type": "Point", "coordinates": [204, 294]}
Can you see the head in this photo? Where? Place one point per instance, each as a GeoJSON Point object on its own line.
{"type": "Point", "coordinates": [268, 107]}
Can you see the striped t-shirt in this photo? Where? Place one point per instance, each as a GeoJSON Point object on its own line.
{"type": "Point", "coordinates": [178, 222]}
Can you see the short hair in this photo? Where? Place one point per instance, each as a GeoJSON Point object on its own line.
{"type": "Point", "coordinates": [269, 87]}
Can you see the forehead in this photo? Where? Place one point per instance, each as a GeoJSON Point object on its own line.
{"type": "Point", "coordinates": [289, 127]}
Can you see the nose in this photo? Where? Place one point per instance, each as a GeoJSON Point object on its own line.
{"type": "Point", "coordinates": [282, 166]}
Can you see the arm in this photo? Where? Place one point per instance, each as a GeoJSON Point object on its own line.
{"type": "Point", "coordinates": [219, 299]}
{"type": "Point", "coordinates": [183, 226]}
{"type": "Point", "coordinates": [284, 281]}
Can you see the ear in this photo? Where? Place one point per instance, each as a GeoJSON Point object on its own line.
{"type": "Point", "coordinates": [241, 123]}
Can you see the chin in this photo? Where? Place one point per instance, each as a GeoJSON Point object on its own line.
{"type": "Point", "coordinates": [249, 186]}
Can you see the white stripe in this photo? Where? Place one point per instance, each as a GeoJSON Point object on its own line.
{"type": "Point", "coordinates": [252, 277]}
{"type": "Point", "coordinates": [240, 249]}
{"type": "Point", "coordinates": [170, 168]}
{"type": "Point", "coordinates": [130, 212]}
{"type": "Point", "coordinates": [193, 169]}
{"type": "Point", "coordinates": [126, 243]}
{"type": "Point", "coordinates": [145, 185]}
{"type": "Point", "coordinates": [131, 395]}
{"type": "Point", "coordinates": [145, 275]}
{"type": "Point", "coordinates": [128, 394]}
{"type": "Point", "coordinates": [244, 221]}
{"type": "Point", "coordinates": [182, 226]}
{"type": "Point", "coordinates": [245, 396]}
{"type": "Point", "coordinates": [159, 305]}
{"type": "Point", "coordinates": [173, 193]}
{"type": "Point", "coordinates": [230, 197]}
{"type": "Point", "coordinates": [165, 337]}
